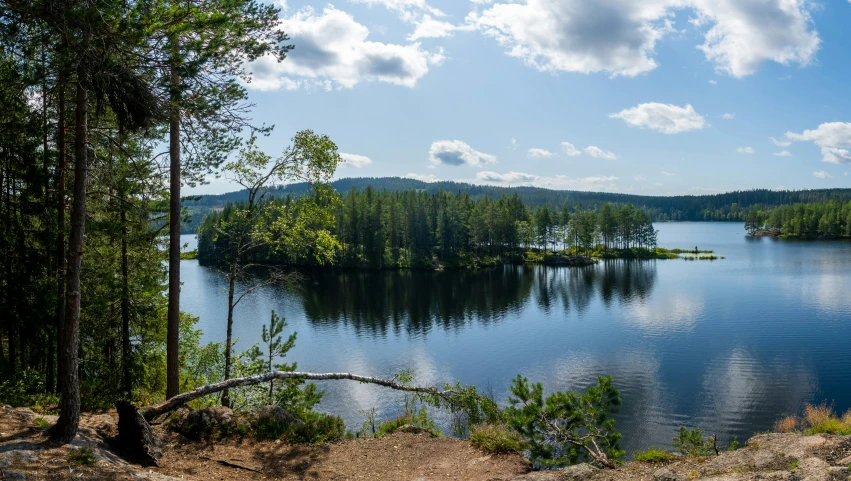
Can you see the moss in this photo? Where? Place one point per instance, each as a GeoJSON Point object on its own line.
{"type": "Point", "coordinates": [653, 455]}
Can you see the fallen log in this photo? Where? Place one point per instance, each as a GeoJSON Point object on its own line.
{"type": "Point", "coordinates": [137, 439]}
{"type": "Point", "coordinates": [175, 402]}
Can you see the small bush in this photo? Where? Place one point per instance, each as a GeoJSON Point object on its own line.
{"type": "Point", "coordinates": [495, 439]}
{"type": "Point", "coordinates": [81, 457]}
{"type": "Point", "coordinates": [818, 419]}
{"type": "Point", "coordinates": [691, 442]}
{"type": "Point", "coordinates": [410, 421]}
{"type": "Point", "coordinates": [789, 424]}
{"type": "Point", "coordinates": [816, 415]}
{"type": "Point", "coordinates": [42, 423]}
{"type": "Point", "coordinates": [653, 455]}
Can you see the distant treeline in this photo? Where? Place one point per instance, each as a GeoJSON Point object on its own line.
{"type": "Point", "coordinates": [416, 229]}
{"type": "Point", "coordinates": [819, 219]}
{"type": "Point", "coordinates": [731, 206]}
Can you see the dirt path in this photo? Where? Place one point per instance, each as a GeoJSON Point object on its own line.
{"type": "Point", "coordinates": [399, 456]}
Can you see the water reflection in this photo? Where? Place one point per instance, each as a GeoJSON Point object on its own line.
{"type": "Point", "coordinates": [729, 346]}
{"type": "Point", "coordinates": [415, 302]}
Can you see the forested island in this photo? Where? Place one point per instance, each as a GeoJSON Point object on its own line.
{"type": "Point", "coordinates": [831, 219]}
{"type": "Point", "coordinates": [417, 229]}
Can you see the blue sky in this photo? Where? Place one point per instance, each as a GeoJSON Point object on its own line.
{"type": "Point", "coordinates": [639, 96]}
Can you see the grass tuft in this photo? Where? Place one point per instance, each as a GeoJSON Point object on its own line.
{"type": "Point", "coordinates": [81, 457]}
{"type": "Point", "coordinates": [653, 455]}
{"type": "Point", "coordinates": [495, 439]}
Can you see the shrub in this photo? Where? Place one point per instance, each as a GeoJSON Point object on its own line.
{"type": "Point", "coordinates": [419, 421]}
{"type": "Point", "coordinates": [303, 427]}
{"type": "Point", "coordinates": [566, 426]}
{"type": "Point", "coordinates": [653, 455]}
{"type": "Point", "coordinates": [81, 457]}
{"type": "Point", "coordinates": [691, 442]}
{"type": "Point", "coordinates": [27, 389]}
{"type": "Point", "coordinates": [42, 423]}
{"type": "Point", "coordinates": [789, 424]}
{"type": "Point", "coordinates": [495, 439]}
{"type": "Point", "coordinates": [817, 419]}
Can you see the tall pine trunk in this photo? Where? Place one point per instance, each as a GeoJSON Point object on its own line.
{"type": "Point", "coordinates": [59, 321]}
{"type": "Point", "coordinates": [125, 307]}
{"type": "Point", "coordinates": [173, 334]}
{"type": "Point", "coordinates": [69, 407]}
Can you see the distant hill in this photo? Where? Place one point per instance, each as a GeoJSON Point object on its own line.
{"type": "Point", "coordinates": [716, 207]}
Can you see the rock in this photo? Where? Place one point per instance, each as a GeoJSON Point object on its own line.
{"type": "Point", "coordinates": [539, 476]}
{"type": "Point", "coordinates": [202, 423]}
{"type": "Point", "coordinates": [666, 474]}
{"type": "Point", "coordinates": [578, 472]}
{"type": "Point", "coordinates": [135, 436]}
{"type": "Point", "coordinates": [16, 457]}
{"type": "Point", "coordinates": [10, 475]}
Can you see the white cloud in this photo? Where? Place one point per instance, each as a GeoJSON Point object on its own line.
{"type": "Point", "coordinates": [570, 150]}
{"type": "Point", "coordinates": [669, 174]}
{"type": "Point", "coordinates": [834, 138]}
{"type": "Point", "coordinates": [406, 9]}
{"type": "Point", "coordinates": [599, 153]}
{"type": "Point", "coordinates": [665, 118]}
{"type": "Point", "coordinates": [780, 143]}
{"type": "Point", "coordinates": [846, 173]}
{"type": "Point", "coordinates": [728, 116]}
{"type": "Point", "coordinates": [745, 150]}
{"type": "Point", "coordinates": [423, 177]}
{"type": "Point", "coordinates": [540, 153]}
{"type": "Point", "coordinates": [784, 153]}
{"type": "Point", "coordinates": [332, 51]}
{"type": "Point", "coordinates": [638, 178]}
{"type": "Point", "coordinates": [553, 182]}
{"type": "Point", "coordinates": [354, 160]}
{"type": "Point", "coordinates": [428, 27]}
{"type": "Point", "coordinates": [713, 82]}
{"type": "Point", "coordinates": [513, 143]}
{"type": "Point", "coordinates": [619, 37]}
{"type": "Point", "coordinates": [822, 174]}
{"type": "Point", "coordinates": [456, 152]}
{"type": "Point", "coordinates": [745, 34]}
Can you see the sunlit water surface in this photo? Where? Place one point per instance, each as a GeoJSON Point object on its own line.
{"type": "Point", "coordinates": [728, 345]}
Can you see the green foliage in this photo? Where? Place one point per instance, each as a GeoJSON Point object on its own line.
{"type": "Point", "coordinates": [27, 390]}
{"type": "Point", "coordinates": [653, 455]}
{"type": "Point", "coordinates": [734, 444]}
{"type": "Point", "coordinates": [691, 442]}
{"type": "Point", "coordinates": [42, 423]}
{"type": "Point", "coordinates": [410, 420]}
{"type": "Point", "coordinates": [81, 457]}
{"type": "Point", "coordinates": [309, 427]}
{"type": "Point", "coordinates": [495, 439]}
{"type": "Point", "coordinates": [566, 427]}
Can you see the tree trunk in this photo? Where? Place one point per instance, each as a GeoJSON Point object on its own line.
{"type": "Point", "coordinates": [69, 407]}
{"type": "Point", "coordinates": [125, 308]}
{"type": "Point", "coordinates": [60, 221]}
{"type": "Point", "coordinates": [228, 342]}
{"type": "Point", "coordinates": [173, 334]}
{"type": "Point", "coordinates": [175, 402]}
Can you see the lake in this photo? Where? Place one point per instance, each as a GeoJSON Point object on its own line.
{"type": "Point", "coordinates": [729, 345]}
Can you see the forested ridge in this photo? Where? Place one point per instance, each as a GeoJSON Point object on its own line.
{"type": "Point", "coordinates": [730, 206]}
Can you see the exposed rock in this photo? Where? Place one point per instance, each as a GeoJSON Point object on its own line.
{"type": "Point", "coordinates": [666, 474]}
{"type": "Point", "coordinates": [15, 457]}
{"type": "Point", "coordinates": [579, 472]}
{"type": "Point", "coordinates": [201, 424]}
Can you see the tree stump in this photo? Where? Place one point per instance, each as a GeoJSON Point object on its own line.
{"type": "Point", "coordinates": [135, 436]}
